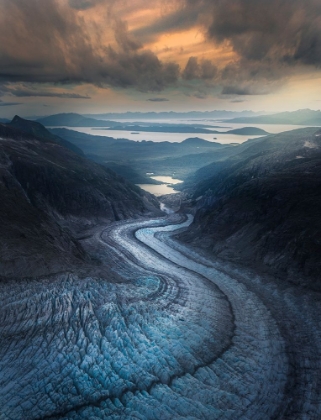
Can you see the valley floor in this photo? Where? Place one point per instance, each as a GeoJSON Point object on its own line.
{"type": "Point", "coordinates": [179, 335]}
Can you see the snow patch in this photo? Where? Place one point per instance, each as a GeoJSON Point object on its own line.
{"type": "Point", "coordinates": [310, 145]}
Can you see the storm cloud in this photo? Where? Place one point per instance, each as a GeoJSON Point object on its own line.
{"type": "Point", "coordinates": [249, 89]}
{"type": "Point", "coordinates": [50, 42]}
{"type": "Point", "coordinates": [9, 103]}
{"type": "Point", "coordinates": [82, 4]}
{"type": "Point", "coordinates": [158, 100]}
{"type": "Point", "coordinates": [271, 40]}
{"type": "Point", "coordinates": [254, 42]}
{"type": "Point", "coordinates": [25, 93]}
{"type": "Point", "coordinates": [195, 70]}
{"type": "Point", "coordinates": [278, 30]}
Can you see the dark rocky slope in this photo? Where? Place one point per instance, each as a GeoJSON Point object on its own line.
{"type": "Point", "coordinates": [49, 195]}
{"type": "Point", "coordinates": [263, 207]}
{"type": "Point", "coordinates": [38, 130]}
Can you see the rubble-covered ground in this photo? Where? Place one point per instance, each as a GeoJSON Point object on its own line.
{"type": "Point", "coordinates": [171, 335]}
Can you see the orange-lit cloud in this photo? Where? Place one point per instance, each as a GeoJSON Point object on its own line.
{"type": "Point", "coordinates": [193, 47]}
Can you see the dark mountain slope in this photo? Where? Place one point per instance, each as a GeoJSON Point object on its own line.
{"type": "Point", "coordinates": [264, 207]}
{"type": "Point", "coordinates": [267, 151]}
{"type": "Point", "coordinates": [73, 120]}
{"type": "Point", "coordinates": [49, 194]}
{"type": "Point", "coordinates": [40, 132]}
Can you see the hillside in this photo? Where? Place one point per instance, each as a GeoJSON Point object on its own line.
{"type": "Point", "coordinates": [39, 131]}
{"type": "Point", "coordinates": [73, 120]}
{"type": "Point", "coordinates": [248, 131]}
{"type": "Point", "coordinates": [49, 196]}
{"type": "Point", "coordinates": [262, 207]}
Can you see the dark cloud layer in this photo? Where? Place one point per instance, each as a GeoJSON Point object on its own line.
{"type": "Point", "coordinates": [50, 42]}
{"type": "Point", "coordinates": [24, 93]}
{"type": "Point", "coordinates": [237, 90]}
{"type": "Point", "coordinates": [185, 15]}
{"type": "Point", "coordinates": [194, 70]}
{"type": "Point", "coordinates": [158, 100]}
{"type": "Point", "coordinates": [237, 101]}
{"type": "Point", "coordinates": [47, 41]}
{"type": "Point", "coordinates": [272, 38]}
{"type": "Point", "coordinates": [82, 4]}
{"type": "Point", "coordinates": [9, 103]}
{"type": "Point", "coordinates": [278, 30]}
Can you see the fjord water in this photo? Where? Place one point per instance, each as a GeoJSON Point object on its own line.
{"type": "Point", "coordinates": [179, 137]}
{"type": "Point", "coordinates": [156, 137]}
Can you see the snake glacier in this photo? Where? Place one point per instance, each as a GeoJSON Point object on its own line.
{"type": "Point", "coordinates": [177, 335]}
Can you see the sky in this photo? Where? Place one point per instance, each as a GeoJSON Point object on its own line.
{"type": "Point", "coordinates": [95, 56]}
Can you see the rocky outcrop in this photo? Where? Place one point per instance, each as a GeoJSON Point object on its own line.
{"type": "Point", "coordinates": [38, 131]}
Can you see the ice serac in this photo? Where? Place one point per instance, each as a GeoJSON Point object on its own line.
{"type": "Point", "coordinates": [173, 336]}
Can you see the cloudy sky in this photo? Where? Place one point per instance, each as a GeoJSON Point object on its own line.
{"type": "Point", "coordinates": [118, 55]}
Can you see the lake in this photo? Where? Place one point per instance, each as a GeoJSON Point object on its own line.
{"type": "Point", "coordinates": [161, 189]}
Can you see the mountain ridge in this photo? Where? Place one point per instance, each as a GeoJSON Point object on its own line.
{"type": "Point", "coordinates": [72, 119]}
{"type": "Point", "coordinates": [50, 195]}
{"type": "Point", "coordinates": [261, 207]}
{"type": "Point", "coordinates": [299, 117]}
{"type": "Point", "coordinates": [40, 132]}
{"type": "Point", "coordinates": [173, 114]}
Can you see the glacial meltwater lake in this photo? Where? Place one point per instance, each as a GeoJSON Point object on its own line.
{"type": "Point", "coordinates": [161, 189]}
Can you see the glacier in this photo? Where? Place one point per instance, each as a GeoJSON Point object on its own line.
{"type": "Point", "coordinates": [178, 335]}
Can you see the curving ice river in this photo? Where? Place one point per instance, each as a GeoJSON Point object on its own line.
{"type": "Point", "coordinates": [172, 335]}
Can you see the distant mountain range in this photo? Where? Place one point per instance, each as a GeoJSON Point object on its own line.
{"type": "Point", "coordinates": [216, 114]}
{"type": "Point", "coordinates": [71, 119]}
{"type": "Point", "coordinates": [300, 117]}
